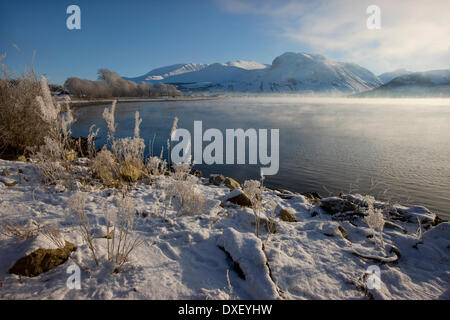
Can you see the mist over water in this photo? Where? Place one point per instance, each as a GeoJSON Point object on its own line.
{"type": "Point", "coordinates": [394, 149]}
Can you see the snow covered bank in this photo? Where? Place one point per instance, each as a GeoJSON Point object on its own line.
{"type": "Point", "coordinates": [324, 254]}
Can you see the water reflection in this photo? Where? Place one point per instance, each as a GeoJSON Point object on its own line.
{"type": "Point", "coordinates": [393, 149]}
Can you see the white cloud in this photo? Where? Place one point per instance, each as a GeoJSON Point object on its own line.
{"type": "Point", "coordinates": [414, 34]}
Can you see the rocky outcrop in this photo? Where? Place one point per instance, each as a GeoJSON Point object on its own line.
{"type": "Point", "coordinates": [42, 260]}
{"type": "Point", "coordinates": [238, 197]}
{"type": "Point", "coordinates": [334, 205]}
{"type": "Point", "coordinates": [231, 183]}
{"type": "Point", "coordinates": [216, 179]}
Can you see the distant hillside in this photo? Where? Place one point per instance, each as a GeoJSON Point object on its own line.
{"type": "Point", "coordinates": [434, 83]}
{"type": "Point", "coordinates": [388, 76]}
{"type": "Point", "coordinates": [159, 74]}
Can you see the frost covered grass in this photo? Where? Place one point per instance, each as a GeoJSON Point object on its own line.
{"type": "Point", "coordinates": [179, 256]}
{"type": "Point", "coordinates": [119, 165]}
{"type": "Point", "coordinates": [20, 124]}
{"type": "Point", "coordinates": [148, 229]}
{"type": "Point", "coordinates": [374, 220]}
{"type": "Point", "coordinates": [119, 227]}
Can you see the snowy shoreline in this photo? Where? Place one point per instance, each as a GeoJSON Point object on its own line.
{"type": "Point", "coordinates": [316, 248]}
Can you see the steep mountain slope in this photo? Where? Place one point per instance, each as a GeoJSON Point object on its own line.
{"type": "Point", "coordinates": [216, 73]}
{"type": "Point", "coordinates": [308, 72]}
{"type": "Point", "coordinates": [160, 74]}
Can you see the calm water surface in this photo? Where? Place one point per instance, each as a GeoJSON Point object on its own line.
{"type": "Point", "coordinates": [397, 150]}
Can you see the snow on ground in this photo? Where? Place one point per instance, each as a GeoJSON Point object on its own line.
{"type": "Point", "coordinates": [183, 257]}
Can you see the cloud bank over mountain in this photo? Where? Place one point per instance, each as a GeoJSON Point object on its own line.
{"type": "Point", "coordinates": [414, 35]}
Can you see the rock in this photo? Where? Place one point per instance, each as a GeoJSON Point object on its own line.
{"type": "Point", "coordinates": [42, 260]}
{"type": "Point", "coordinates": [437, 221]}
{"type": "Point", "coordinates": [5, 173]}
{"type": "Point", "coordinates": [8, 182]}
{"type": "Point", "coordinates": [198, 174]}
{"type": "Point", "coordinates": [284, 194]}
{"type": "Point", "coordinates": [129, 172]}
{"type": "Point", "coordinates": [231, 183]}
{"type": "Point", "coordinates": [312, 195]}
{"type": "Point", "coordinates": [391, 225]}
{"type": "Point", "coordinates": [22, 159]}
{"type": "Point", "coordinates": [343, 232]}
{"type": "Point", "coordinates": [247, 253]}
{"type": "Point", "coordinates": [334, 205]}
{"type": "Point", "coordinates": [286, 215]}
{"type": "Point", "coordinates": [413, 214]}
{"type": "Point", "coordinates": [216, 179]}
{"type": "Point", "coordinates": [238, 197]}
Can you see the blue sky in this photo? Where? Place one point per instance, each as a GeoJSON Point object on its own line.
{"type": "Point", "coordinates": [133, 37]}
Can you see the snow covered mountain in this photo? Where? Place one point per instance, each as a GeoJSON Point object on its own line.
{"type": "Point", "coordinates": [160, 74]}
{"type": "Point", "coordinates": [215, 72]}
{"type": "Point", "coordinates": [301, 72]}
{"type": "Point", "coordinates": [290, 72]}
{"type": "Point", "coordinates": [388, 76]}
{"type": "Point", "coordinates": [417, 84]}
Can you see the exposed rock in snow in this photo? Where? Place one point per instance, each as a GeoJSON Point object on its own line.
{"type": "Point", "coordinates": [313, 258]}
{"type": "Point", "coordinates": [247, 251]}
{"type": "Point", "coordinates": [238, 197]}
{"type": "Point", "coordinates": [415, 213]}
{"type": "Point", "coordinates": [334, 205]}
{"type": "Point", "coordinates": [216, 179]}
{"type": "Point", "coordinates": [231, 183]}
{"type": "Point", "coordinates": [42, 260]}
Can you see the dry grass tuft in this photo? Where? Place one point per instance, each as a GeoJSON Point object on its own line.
{"type": "Point", "coordinates": [20, 123]}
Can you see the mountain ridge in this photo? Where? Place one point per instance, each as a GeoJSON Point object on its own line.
{"type": "Point", "coordinates": [433, 83]}
{"type": "Point", "coordinates": [289, 72]}
{"type": "Point", "coordinates": [388, 76]}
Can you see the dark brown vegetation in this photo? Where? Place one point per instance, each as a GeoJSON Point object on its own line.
{"type": "Point", "coordinates": [110, 84]}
